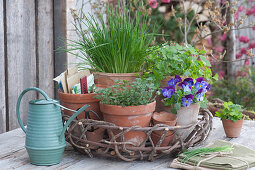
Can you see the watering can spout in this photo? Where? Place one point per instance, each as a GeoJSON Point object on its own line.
{"type": "Point", "coordinates": [71, 119]}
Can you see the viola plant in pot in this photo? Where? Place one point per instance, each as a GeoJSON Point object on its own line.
{"type": "Point", "coordinates": [128, 104]}
{"type": "Point", "coordinates": [167, 119]}
{"type": "Point", "coordinates": [185, 98]}
{"type": "Point", "coordinates": [167, 60]}
{"type": "Point", "coordinates": [232, 119]}
{"type": "Point", "coordinates": [115, 50]}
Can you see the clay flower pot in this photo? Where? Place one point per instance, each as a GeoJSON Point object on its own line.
{"type": "Point", "coordinates": [231, 128]}
{"type": "Point", "coordinates": [104, 80]}
{"type": "Point", "coordinates": [186, 116]}
{"type": "Point", "coordinates": [76, 101]}
{"type": "Point", "coordinates": [163, 118]}
{"type": "Point", "coordinates": [129, 116]}
{"type": "Point", "coordinates": [166, 142]}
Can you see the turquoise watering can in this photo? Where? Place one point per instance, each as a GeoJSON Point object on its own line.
{"type": "Point", "coordinates": [45, 139]}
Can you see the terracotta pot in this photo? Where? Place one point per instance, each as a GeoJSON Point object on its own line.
{"type": "Point", "coordinates": [76, 101]}
{"type": "Point", "coordinates": [95, 136]}
{"type": "Point", "coordinates": [160, 106]}
{"type": "Point", "coordinates": [129, 116]}
{"type": "Point", "coordinates": [166, 142]}
{"type": "Point", "coordinates": [231, 128]}
{"type": "Point", "coordinates": [187, 116]}
{"type": "Point", "coordinates": [164, 118]}
{"type": "Point", "coordinates": [104, 80]}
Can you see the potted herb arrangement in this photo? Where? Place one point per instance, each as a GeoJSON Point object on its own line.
{"type": "Point", "coordinates": [115, 50]}
{"type": "Point", "coordinates": [129, 104]}
{"type": "Point", "coordinates": [185, 98]}
{"type": "Point", "coordinates": [232, 119]}
{"type": "Point", "coordinates": [168, 60]}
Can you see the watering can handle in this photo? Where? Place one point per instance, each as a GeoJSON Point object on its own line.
{"type": "Point", "coordinates": [19, 100]}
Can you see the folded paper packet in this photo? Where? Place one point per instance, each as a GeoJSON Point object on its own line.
{"type": "Point", "coordinates": [240, 158]}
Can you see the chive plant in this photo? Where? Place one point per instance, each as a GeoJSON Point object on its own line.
{"type": "Point", "coordinates": [203, 151]}
{"type": "Point", "coordinates": [119, 45]}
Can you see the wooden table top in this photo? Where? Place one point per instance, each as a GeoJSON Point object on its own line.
{"type": "Point", "coordinates": [13, 154]}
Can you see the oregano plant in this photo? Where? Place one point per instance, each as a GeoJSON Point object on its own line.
{"type": "Point", "coordinates": [125, 93]}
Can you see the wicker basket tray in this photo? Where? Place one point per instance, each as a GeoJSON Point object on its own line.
{"type": "Point", "coordinates": [111, 147]}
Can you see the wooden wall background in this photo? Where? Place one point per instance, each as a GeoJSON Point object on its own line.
{"type": "Point", "coordinates": [29, 33]}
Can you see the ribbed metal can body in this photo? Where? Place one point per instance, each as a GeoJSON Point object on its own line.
{"type": "Point", "coordinates": [43, 130]}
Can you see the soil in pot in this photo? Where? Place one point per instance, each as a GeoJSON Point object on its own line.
{"type": "Point", "coordinates": [187, 116]}
{"type": "Point", "coordinates": [231, 128]}
{"type": "Point", "coordinates": [76, 101]}
{"type": "Point", "coordinates": [104, 80]}
{"type": "Point", "coordinates": [127, 117]}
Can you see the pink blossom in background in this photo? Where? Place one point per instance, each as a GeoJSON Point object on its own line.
{"type": "Point", "coordinates": [219, 49]}
{"type": "Point", "coordinates": [251, 11]}
{"type": "Point", "coordinates": [247, 62]}
{"type": "Point", "coordinates": [241, 8]}
{"type": "Point", "coordinates": [251, 45]}
{"type": "Point", "coordinates": [236, 15]}
{"type": "Point", "coordinates": [243, 51]}
{"type": "Point", "coordinates": [222, 37]}
{"type": "Point", "coordinates": [165, 1]}
{"type": "Point", "coordinates": [153, 3]}
{"type": "Point", "coordinates": [209, 41]}
{"type": "Point", "coordinates": [238, 55]}
{"type": "Point", "coordinates": [244, 74]}
{"type": "Point", "coordinates": [244, 39]}
{"type": "Point", "coordinates": [250, 0]}
{"type": "Point", "coordinates": [253, 28]}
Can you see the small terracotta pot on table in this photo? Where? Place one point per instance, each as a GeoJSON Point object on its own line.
{"type": "Point", "coordinates": [163, 118]}
{"type": "Point", "coordinates": [231, 128]}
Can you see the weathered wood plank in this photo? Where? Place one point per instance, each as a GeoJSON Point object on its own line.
{"type": "Point", "coordinates": [2, 71]}
{"type": "Point", "coordinates": [59, 36]}
{"type": "Point", "coordinates": [20, 16]}
{"type": "Point", "coordinates": [45, 46]}
{"type": "Point", "coordinates": [11, 142]}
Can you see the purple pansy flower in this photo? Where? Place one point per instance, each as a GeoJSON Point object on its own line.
{"type": "Point", "coordinates": [185, 86]}
{"type": "Point", "coordinates": [168, 91]}
{"type": "Point", "coordinates": [174, 81]}
{"type": "Point", "coordinates": [200, 83]}
{"type": "Point", "coordinates": [200, 95]}
{"type": "Point", "coordinates": [187, 100]}
{"type": "Point", "coordinates": [189, 81]}
{"type": "Point", "coordinates": [208, 87]}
